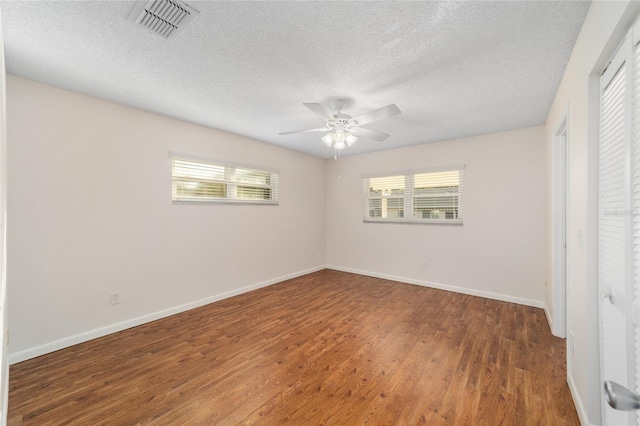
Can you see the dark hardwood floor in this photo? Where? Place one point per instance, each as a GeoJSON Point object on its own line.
{"type": "Point", "coordinates": [326, 348]}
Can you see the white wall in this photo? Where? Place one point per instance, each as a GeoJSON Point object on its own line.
{"type": "Point", "coordinates": [601, 33]}
{"type": "Point", "coordinates": [91, 213]}
{"type": "Point", "coordinates": [498, 252]}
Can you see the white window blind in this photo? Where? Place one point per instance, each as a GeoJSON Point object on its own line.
{"type": "Point", "coordinates": [417, 197]}
{"type": "Point", "coordinates": [201, 181]}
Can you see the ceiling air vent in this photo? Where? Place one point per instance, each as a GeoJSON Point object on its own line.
{"type": "Point", "coordinates": [168, 18]}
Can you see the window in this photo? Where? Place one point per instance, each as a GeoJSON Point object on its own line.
{"type": "Point", "coordinates": [433, 196]}
{"type": "Point", "coordinates": [201, 181]}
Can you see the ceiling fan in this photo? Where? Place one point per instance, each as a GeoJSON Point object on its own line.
{"type": "Point", "coordinates": [345, 130]}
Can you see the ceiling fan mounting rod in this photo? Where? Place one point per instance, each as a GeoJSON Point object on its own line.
{"type": "Point", "coordinates": [339, 104]}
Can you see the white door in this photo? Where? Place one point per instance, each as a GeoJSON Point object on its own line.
{"type": "Point", "coordinates": [619, 229]}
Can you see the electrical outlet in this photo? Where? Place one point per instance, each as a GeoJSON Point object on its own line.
{"type": "Point", "coordinates": [115, 298]}
{"type": "Point", "coordinates": [424, 265]}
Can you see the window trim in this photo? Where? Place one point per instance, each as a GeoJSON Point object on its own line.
{"type": "Point", "coordinates": [408, 196]}
{"type": "Point", "coordinates": [227, 165]}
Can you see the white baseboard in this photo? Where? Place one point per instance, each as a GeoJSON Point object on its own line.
{"type": "Point", "coordinates": [133, 322]}
{"type": "Point", "coordinates": [554, 326]}
{"type": "Point", "coordinates": [548, 315]}
{"type": "Point", "coordinates": [46, 348]}
{"type": "Point", "coordinates": [582, 413]}
{"type": "Point", "coordinates": [456, 289]}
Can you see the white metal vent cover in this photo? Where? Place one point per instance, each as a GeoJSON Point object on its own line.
{"type": "Point", "coordinates": [168, 18]}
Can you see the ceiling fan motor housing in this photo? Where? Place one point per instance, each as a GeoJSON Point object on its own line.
{"type": "Point", "coordinates": [340, 123]}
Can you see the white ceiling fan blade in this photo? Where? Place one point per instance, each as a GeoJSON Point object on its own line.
{"type": "Point", "coordinates": [321, 111]}
{"type": "Point", "coordinates": [377, 114]}
{"type": "Point", "coordinates": [320, 129]}
{"type": "Point", "coordinates": [369, 134]}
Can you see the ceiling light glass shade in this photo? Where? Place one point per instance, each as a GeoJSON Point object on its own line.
{"type": "Point", "coordinates": [350, 139]}
{"type": "Point", "coordinates": [339, 139]}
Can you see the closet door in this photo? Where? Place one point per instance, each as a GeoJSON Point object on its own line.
{"type": "Point", "coordinates": [615, 242]}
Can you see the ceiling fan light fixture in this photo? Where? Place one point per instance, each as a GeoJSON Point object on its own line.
{"type": "Point", "coordinates": [339, 145]}
{"type": "Point", "coordinates": [328, 139]}
{"type": "Point", "coordinates": [350, 139]}
{"type": "Point", "coordinates": [339, 135]}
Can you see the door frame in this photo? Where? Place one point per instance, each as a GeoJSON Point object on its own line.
{"type": "Point", "coordinates": [4, 318]}
{"type": "Point", "coordinates": [559, 190]}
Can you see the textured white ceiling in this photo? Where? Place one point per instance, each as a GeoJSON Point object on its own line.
{"type": "Point", "coordinates": [455, 69]}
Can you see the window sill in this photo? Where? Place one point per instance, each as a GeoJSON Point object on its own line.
{"type": "Point", "coordinates": [214, 202]}
{"type": "Point", "coordinates": [455, 222]}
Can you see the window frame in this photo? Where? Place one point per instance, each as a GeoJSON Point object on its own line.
{"type": "Point", "coordinates": [409, 196]}
{"type": "Point", "coordinates": [229, 180]}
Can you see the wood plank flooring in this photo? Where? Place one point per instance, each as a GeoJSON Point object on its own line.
{"type": "Point", "coordinates": [327, 348]}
